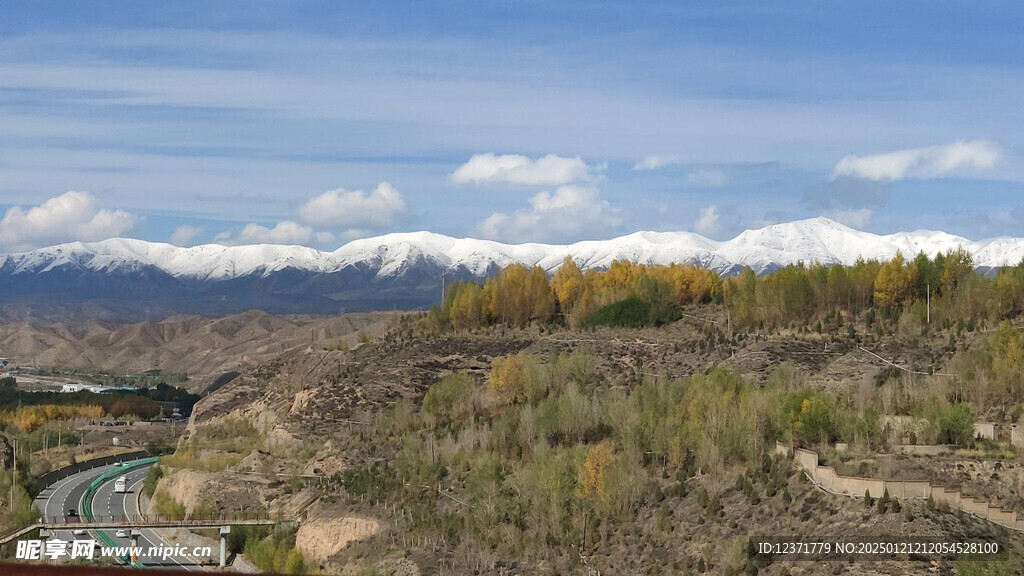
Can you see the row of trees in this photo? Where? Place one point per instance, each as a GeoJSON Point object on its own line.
{"type": "Point", "coordinates": [798, 295]}
{"type": "Point", "coordinates": [518, 295]}
{"type": "Point", "coordinates": [993, 375]}
{"type": "Point", "coordinates": [30, 417]}
{"type": "Point", "coordinates": [791, 296]}
{"type": "Point", "coordinates": [30, 410]}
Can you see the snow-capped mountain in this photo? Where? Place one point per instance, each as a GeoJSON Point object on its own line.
{"type": "Point", "coordinates": [404, 270]}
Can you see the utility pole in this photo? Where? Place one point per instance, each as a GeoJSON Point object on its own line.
{"type": "Point", "coordinates": [443, 272]}
{"type": "Point", "coordinates": [14, 474]}
{"type": "Point", "coordinates": [929, 303]}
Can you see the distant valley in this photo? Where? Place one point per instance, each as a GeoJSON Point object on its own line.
{"type": "Point", "coordinates": [202, 348]}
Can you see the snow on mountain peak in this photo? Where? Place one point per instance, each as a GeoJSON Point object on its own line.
{"type": "Point", "coordinates": [764, 249]}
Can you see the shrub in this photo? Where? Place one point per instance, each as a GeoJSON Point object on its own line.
{"type": "Point", "coordinates": [631, 312]}
{"type": "Point", "coordinates": [153, 477]}
{"type": "Point", "coordinates": [277, 553]}
{"type": "Point", "coordinates": [158, 446]}
{"type": "Point", "coordinates": [167, 506]}
{"type": "Point", "coordinates": [450, 399]}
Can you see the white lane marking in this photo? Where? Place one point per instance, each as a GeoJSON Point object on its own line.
{"type": "Point", "coordinates": [70, 482]}
{"type": "Point", "coordinates": [74, 481]}
{"type": "Point", "coordinates": [151, 535]}
{"type": "Point", "coordinates": [110, 510]}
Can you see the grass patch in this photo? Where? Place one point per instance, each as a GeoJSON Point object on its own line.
{"type": "Point", "coordinates": [216, 447]}
{"type": "Point", "coordinates": [153, 477]}
{"type": "Point", "coordinates": [277, 553]}
{"type": "Point", "coordinates": [169, 507]}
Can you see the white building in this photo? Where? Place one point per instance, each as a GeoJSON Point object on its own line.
{"type": "Point", "coordinates": [78, 387]}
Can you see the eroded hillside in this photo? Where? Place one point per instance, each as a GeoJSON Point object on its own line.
{"type": "Point", "coordinates": [202, 348]}
{"type": "Point", "coordinates": [400, 474]}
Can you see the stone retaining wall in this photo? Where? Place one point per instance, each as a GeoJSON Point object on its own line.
{"type": "Point", "coordinates": [827, 478]}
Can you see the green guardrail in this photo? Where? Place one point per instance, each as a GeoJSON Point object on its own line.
{"type": "Point", "coordinates": [91, 491]}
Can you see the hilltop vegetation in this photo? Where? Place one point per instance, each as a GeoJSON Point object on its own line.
{"type": "Point", "coordinates": [881, 294]}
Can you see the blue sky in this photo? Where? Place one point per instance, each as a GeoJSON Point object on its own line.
{"type": "Point", "coordinates": [319, 122]}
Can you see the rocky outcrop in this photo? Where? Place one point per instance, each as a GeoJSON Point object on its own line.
{"type": "Point", "coordinates": [321, 538]}
{"type": "Point", "coordinates": [194, 489]}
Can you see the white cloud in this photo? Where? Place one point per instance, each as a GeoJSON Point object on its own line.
{"type": "Point", "coordinates": [326, 219]}
{"type": "Point", "coordinates": [285, 232]}
{"type": "Point", "coordinates": [570, 211]}
{"type": "Point", "coordinates": [655, 161]}
{"type": "Point", "coordinates": [69, 217]}
{"type": "Point", "coordinates": [184, 235]}
{"type": "Point", "coordinates": [928, 162]}
{"type": "Point", "coordinates": [339, 209]}
{"type": "Point", "coordinates": [706, 178]}
{"type": "Point", "coordinates": [709, 221]}
{"type": "Point", "coordinates": [515, 169]}
{"type": "Point", "coordinates": [858, 219]}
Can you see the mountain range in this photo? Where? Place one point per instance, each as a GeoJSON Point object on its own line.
{"type": "Point", "coordinates": [135, 279]}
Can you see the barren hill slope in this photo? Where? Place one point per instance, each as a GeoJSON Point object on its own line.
{"type": "Point", "coordinates": [200, 347]}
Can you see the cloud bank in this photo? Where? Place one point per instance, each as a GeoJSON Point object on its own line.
{"type": "Point", "coordinates": [184, 235]}
{"type": "Point", "coordinates": [334, 215]}
{"type": "Point", "coordinates": [571, 210]}
{"type": "Point", "coordinates": [284, 232]}
{"type": "Point", "coordinates": [339, 209]}
{"type": "Point", "coordinates": [551, 170]}
{"type": "Point", "coordinates": [72, 216]}
{"type": "Point", "coordinates": [708, 222]}
{"type": "Point", "coordinates": [655, 161]}
{"type": "Point", "coordinates": [922, 163]}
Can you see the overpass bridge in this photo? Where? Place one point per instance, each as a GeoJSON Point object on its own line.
{"type": "Point", "coordinates": [145, 521]}
{"type": "Point", "coordinates": [134, 523]}
{"type": "Point", "coordinates": [91, 491]}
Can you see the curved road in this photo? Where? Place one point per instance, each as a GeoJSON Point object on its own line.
{"type": "Point", "coordinates": [68, 493]}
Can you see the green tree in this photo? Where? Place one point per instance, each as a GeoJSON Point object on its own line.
{"type": "Point", "coordinates": [959, 264]}
{"type": "Point", "coordinates": [449, 399]}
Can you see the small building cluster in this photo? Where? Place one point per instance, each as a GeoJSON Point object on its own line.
{"type": "Point", "coordinates": [71, 387]}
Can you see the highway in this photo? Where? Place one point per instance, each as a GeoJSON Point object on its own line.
{"type": "Point", "coordinates": [68, 493]}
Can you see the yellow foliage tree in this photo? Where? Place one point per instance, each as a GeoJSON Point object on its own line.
{"type": "Point", "coordinates": [567, 284]}
{"type": "Point", "coordinates": [29, 420]}
{"type": "Point", "coordinates": [508, 377]}
{"type": "Point", "coordinates": [542, 299]}
{"type": "Point", "coordinates": [894, 281]}
{"type": "Point", "coordinates": [513, 301]}
{"type": "Point", "coordinates": [594, 481]}
{"type": "Point", "coordinates": [467, 308]}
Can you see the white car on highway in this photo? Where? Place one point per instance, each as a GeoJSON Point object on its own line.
{"type": "Point", "coordinates": [122, 533]}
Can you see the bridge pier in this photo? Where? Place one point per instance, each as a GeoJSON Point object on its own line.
{"type": "Point", "coordinates": [135, 534]}
{"type": "Point", "coordinates": [224, 531]}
